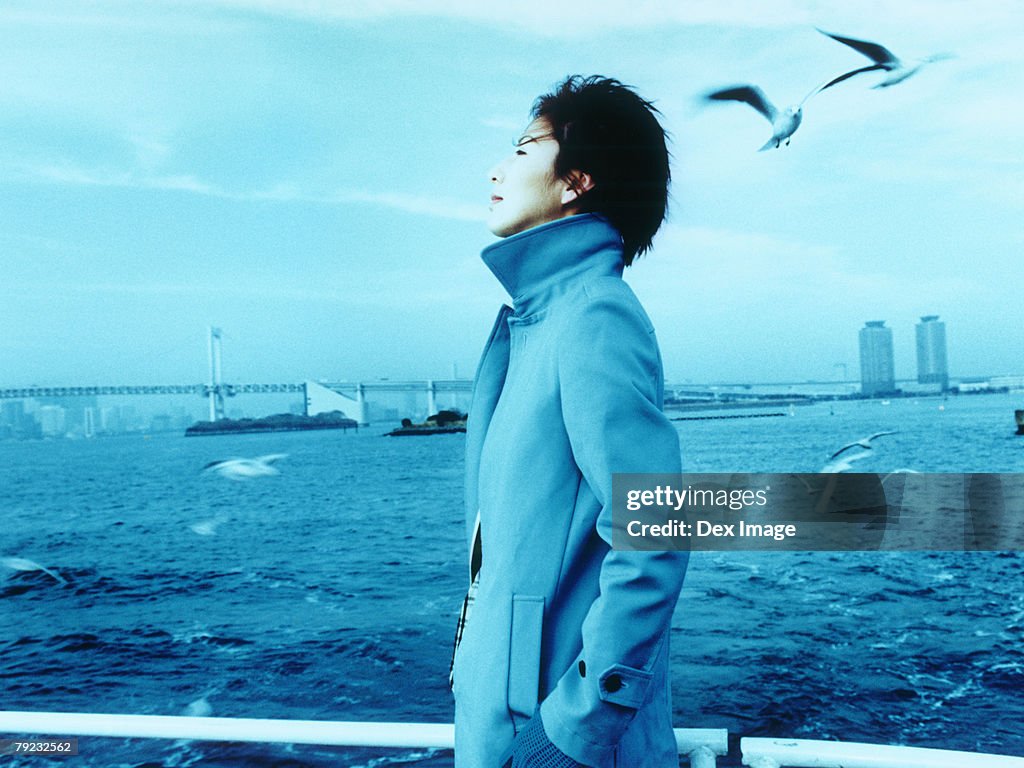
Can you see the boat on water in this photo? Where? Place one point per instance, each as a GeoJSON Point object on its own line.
{"type": "Point", "coordinates": [281, 422]}
{"type": "Point", "coordinates": [699, 747]}
{"type": "Point", "coordinates": [441, 423]}
{"type": "Point", "coordinates": [1019, 415]}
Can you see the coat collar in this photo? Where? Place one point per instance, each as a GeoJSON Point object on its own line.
{"type": "Point", "coordinates": [538, 264]}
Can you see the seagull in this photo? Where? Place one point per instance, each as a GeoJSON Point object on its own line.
{"type": "Point", "coordinates": [884, 60]}
{"type": "Point", "coordinates": [21, 564]}
{"type": "Point", "coordinates": [837, 462]}
{"type": "Point", "coordinates": [901, 471]}
{"type": "Point", "coordinates": [864, 442]}
{"type": "Point", "coordinates": [784, 122]}
{"type": "Point", "coordinates": [844, 464]}
{"type": "Point", "coordinates": [201, 707]}
{"type": "Point", "coordinates": [245, 469]}
{"type": "Point", "coordinates": [206, 527]}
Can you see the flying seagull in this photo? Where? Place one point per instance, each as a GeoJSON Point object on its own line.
{"type": "Point", "coordinates": [784, 122]}
{"type": "Point", "coordinates": [864, 442]}
{"type": "Point", "coordinates": [21, 564]}
{"type": "Point", "coordinates": [206, 527]}
{"type": "Point", "coordinates": [884, 59]}
{"type": "Point", "coordinates": [842, 460]}
{"type": "Point", "coordinates": [843, 464]}
{"type": "Point", "coordinates": [901, 471]}
{"type": "Point", "coordinates": [245, 469]}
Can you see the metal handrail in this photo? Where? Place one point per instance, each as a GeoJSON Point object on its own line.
{"type": "Point", "coordinates": [807, 753]}
{"type": "Point", "coordinates": [701, 745]}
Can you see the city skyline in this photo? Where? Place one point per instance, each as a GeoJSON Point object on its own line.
{"type": "Point", "coordinates": [81, 415]}
{"type": "Point", "coordinates": [311, 178]}
{"type": "Point", "coordinates": [931, 352]}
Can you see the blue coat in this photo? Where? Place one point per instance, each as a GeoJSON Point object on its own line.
{"type": "Point", "coordinates": [568, 391]}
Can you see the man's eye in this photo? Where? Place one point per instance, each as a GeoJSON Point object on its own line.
{"type": "Point", "coordinates": [520, 152]}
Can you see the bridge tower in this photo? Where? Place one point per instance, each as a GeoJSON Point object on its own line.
{"type": "Point", "coordinates": [216, 387]}
{"type": "Point", "coordinates": [431, 398]}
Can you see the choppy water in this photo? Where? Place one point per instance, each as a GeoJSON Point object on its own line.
{"type": "Point", "coordinates": [330, 591]}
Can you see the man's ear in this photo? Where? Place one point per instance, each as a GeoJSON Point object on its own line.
{"type": "Point", "coordinates": [576, 184]}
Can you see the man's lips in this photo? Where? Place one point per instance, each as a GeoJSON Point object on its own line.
{"type": "Point", "coordinates": [495, 199]}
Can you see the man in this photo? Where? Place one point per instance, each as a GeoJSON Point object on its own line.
{"type": "Point", "coordinates": [562, 650]}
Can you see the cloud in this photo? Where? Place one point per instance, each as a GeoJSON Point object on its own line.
{"type": "Point", "coordinates": [743, 270]}
{"type": "Point", "coordinates": [422, 205]}
{"type": "Point", "coordinates": [574, 18]}
{"type": "Point", "coordinates": [462, 282]}
{"type": "Point", "coordinates": [425, 205]}
{"type": "Point", "coordinates": [99, 177]}
{"type": "Point", "coordinates": [568, 18]}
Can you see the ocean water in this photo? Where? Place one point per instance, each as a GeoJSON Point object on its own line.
{"type": "Point", "coordinates": [330, 591]}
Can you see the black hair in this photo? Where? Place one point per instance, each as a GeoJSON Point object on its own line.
{"type": "Point", "coordinates": [605, 129]}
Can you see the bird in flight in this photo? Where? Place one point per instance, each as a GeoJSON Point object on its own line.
{"type": "Point", "coordinates": [864, 442]}
{"type": "Point", "coordinates": [22, 564]}
{"type": "Point", "coordinates": [842, 460]}
{"type": "Point", "coordinates": [784, 121]}
{"type": "Point", "coordinates": [885, 60]}
{"type": "Point", "coordinates": [245, 469]}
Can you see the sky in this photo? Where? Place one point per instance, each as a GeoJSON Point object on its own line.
{"type": "Point", "coordinates": [311, 177]}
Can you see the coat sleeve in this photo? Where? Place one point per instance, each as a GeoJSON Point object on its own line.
{"type": "Point", "coordinates": [611, 386]}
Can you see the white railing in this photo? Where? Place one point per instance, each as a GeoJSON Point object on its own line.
{"type": "Point", "coordinates": [804, 753]}
{"type": "Point", "coordinates": [703, 746]}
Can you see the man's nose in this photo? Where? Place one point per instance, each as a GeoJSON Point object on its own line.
{"type": "Point", "coordinates": [496, 174]}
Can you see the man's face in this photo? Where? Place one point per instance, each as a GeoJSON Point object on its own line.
{"type": "Point", "coordinates": [525, 191]}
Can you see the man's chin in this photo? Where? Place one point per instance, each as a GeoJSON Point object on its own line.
{"type": "Point", "coordinates": [501, 228]}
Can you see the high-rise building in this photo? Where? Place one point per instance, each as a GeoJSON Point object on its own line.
{"type": "Point", "coordinates": [877, 366]}
{"type": "Point", "coordinates": [932, 367]}
{"type": "Point", "coordinates": [12, 413]}
{"type": "Point", "coordinates": [89, 421]}
{"type": "Point", "coordinates": [53, 420]}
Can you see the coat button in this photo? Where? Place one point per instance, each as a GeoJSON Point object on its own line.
{"type": "Point", "coordinates": [612, 683]}
{"type": "Point", "coordinates": [583, 668]}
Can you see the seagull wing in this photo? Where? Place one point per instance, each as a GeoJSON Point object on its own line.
{"type": "Point", "coordinates": [216, 464]}
{"type": "Point", "coordinates": [841, 465]}
{"type": "Point", "coordinates": [902, 471]}
{"type": "Point", "coordinates": [19, 564]}
{"type": "Point", "coordinates": [270, 458]}
{"type": "Point", "coordinates": [22, 564]}
{"type": "Point", "coordinates": [877, 53]}
{"type": "Point", "coordinates": [749, 94]}
{"type": "Point", "coordinates": [864, 442]}
{"type": "Point", "coordinates": [848, 446]}
{"type": "Point", "coordinates": [845, 76]}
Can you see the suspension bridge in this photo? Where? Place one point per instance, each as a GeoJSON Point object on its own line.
{"type": "Point", "coordinates": [318, 396]}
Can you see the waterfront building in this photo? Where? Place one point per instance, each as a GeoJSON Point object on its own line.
{"type": "Point", "coordinates": [110, 420]}
{"type": "Point", "coordinates": [877, 365]}
{"type": "Point", "coordinates": [932, 367]}
{"type": "Point", "coordinates": [52, 420]}
{"type": "Point", "coordinates": [12, 413]}
{"type": "Point", "coordinates": [89, 421]}
{"type": "Point", "coordinates": [16, 422]}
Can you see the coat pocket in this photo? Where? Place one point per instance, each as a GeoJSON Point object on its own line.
{"type": "Point", "coordinates": [524, 657]}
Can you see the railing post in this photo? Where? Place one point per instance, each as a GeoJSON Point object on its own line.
{"type": "Point", "coordinates": [703, 757]}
